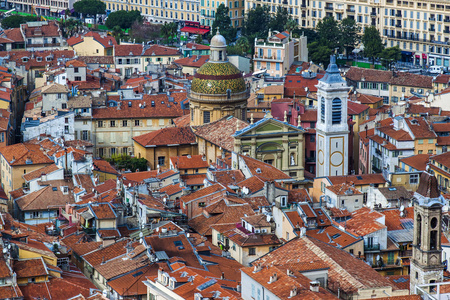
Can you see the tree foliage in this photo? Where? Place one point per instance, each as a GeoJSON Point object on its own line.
{"type": "Point", "coordinates": [89, 7]}
{"type": "Point", "coordinates": [223, 22]}
{"type": "Point", "coordinates": [70, 27]}
{"type": "Point", "coordinates": [242, 47]}
{"type": "Point", "coordinates": [123, 19]}
{"type": "Point", "coordinates": [329, 33]}
{"type": "Point", "coordinates": [319, 53]}
{"type": "Point", "coordinates": [310, 34]}
{"type": "Point", "coordinates": [373, 44]}
{"type": "Point", "coordinates": [391, 54]}
{"type": "Point", "coordinates": [256, 23]}
{"type": "Point", "coordinates": [349, 34]}
{"type": "Point", "coordinates": [123, 161]}
{"type": "Point", "coordinates": [280, 19]}
{"type": "Point", "coordinates": [144, 32]}
{"type": "Point", "coordinates": [14, 21]}
{"type": "Point", "coordinates": [169, 30]}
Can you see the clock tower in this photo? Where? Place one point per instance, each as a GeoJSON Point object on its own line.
{"type": "Point", "coordinates": [426, 261]}
{"type": "Point", "coordinates": [332, 127]}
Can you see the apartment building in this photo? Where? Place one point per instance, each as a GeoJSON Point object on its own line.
{"type": "Point", "coordinates": [208, 11]}
{"type": "Point", "coordinates": [159, 11]}
{"type": "Point", "coordinates": [277, 54]}
{"type": "Point", "coordinates": [420, 29]}
{"type": "Point", "coordinates": [40, 7]}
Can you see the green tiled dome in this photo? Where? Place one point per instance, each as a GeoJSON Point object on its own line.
{"type": "Point", "coordinates": [217, 78]}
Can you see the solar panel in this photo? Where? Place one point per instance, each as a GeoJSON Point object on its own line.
{"type": "Point", "coordinates": [138, 274]}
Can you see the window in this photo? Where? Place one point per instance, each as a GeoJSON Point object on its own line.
{"type": "Point", "coordinates": [63, 105]}
{"type": "Point", "coordinates": [59, 96]}
{"type": "Point", "coordinates": [421, 142]}
{"type": "Point", "coordinates": [136, 123]}
{"type": "Point", "coordinates": [112, 123]}
{"type": "Point", "coordinates": [251, 251]}
{"type": "Point", "coordinates": [322, 110]}
{"type": "Point", "coordinates": [206, 117]}
{"type": "Point", "coordinates": [336, 111]}
{"type": "Point", "coordinates": [85, 135]}
{"type": "Point", "coordinates": [414, 179]}
{"type": "Point", "coordinates": [77, 78]}
{"type": "Point", "coordinates": [66, 129]}
{"type": "Point", "coordinates": [100, 124]}
{"type": "Point", "coordinates": [161, 160]}
{"type": "Point", "coordinates": [312, 138]}
{"type": "Point", "coordinates": [124, 123]}
{"type": "Point", "coordinates": [75, 70]}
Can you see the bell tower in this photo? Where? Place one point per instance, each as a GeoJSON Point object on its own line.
{"type": "Point", "coordinates": [426, 262]}
{"type": "Point", "coordinates": [332, 128]}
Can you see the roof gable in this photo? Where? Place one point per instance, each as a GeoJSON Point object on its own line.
{"type": "Point", "coordinates": [268, 125]}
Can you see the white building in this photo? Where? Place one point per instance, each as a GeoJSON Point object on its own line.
{"type": "Point", "coordinates": [332, 128]}
{"type": "Point", "coordinates": [59, 124]}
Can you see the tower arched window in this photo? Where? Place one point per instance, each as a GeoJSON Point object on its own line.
{"type": "Point", "coordinates": [419, 230]}
{"type": "Point", "coordinates": [336, 110]}
{"type": "Point", "coordinates": [220, 55]}
{"type": "Point", "coordinates": [322, 110]}
{"type": "Point", "coordinates": [228, 93]}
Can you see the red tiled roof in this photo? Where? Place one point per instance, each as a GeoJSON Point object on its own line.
{"type": "Point", "coordinates": [354, 108]}
{"type": "Point", "coordinates": [159, 50]}
{"type": "Point", "coordinates": [39, 172]}
{"type": "Point", "coordinates": [128, 50]}
{"type": "Point", "coordinates": [343, 189]}
{"type": "Point", "coordinates": [14, 34]}
{"type": "Point", "coordinates": [104, 166]}
{"type": "Point", "coordinates": [144, 108]}
{"type": "Point", "coordinates": [51, 29]}
{"type": "Point", "coordinates": [259, 168]}
{"type": "Point", "coordinates": [364, 221]}
{"type": "Point", "coordinates": [24, 154]}
{"type": "Point", "coordinates": [220, 132]}
{"type": "Point", "coordinates": [400, 78]}
{"type": "Point", "coordinates": [421, 109]}
{"type": "Point", "coordinates": [366, 179]}
{"type": "Point", "coordinates": [106, 41]}
{"type": "Point", "coordinates": [167, 136]}
{"type": "Point", "coordinates": [103, 211]}
{"type": "Point", "coordinates": [418, 162]}
{"type": "Point", "coordinates": [197, 46]}
{"type": "Point", "coordinates": [75, 63]}
{"type": "Point", "coordinates": [195, 61]}
{"type": "Point", "coordinates": [30, 268]}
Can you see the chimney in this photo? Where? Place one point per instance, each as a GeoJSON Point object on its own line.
{"type": "Point", "coordinates": [222, 276]}
{"type": "Point", "coordinates": [314, 286]}
{"type": "Point", "coordinates": [257, 268]}
{"type": "Point", "coordinates": [273, 278]}
{"type": "Point", "coordinates": [293, 292]}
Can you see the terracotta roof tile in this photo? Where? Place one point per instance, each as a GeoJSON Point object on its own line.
{"type": "Point", "coordinates": [212, 189]}
{"type": "Point", "coordinates": [363, 179]}
{"type": "Point", "coordinates": [421, 109]}
{"type": "Point", "coordinates": [220, 132]}
{"type": "Point", "coordinates": [259, 168]}
{"type": "Point", "coordinates": [132, 284]}
{"type": "Point", "coordinates": [400, 78]}
{"type": "Point", "coordinates": [104, 166]}
{"type": "Point", "coordinates": [14, 34]}
{"type": "Point", "coordinates": [30, 268]}
{"type": "Point", "coordinates": [159, 50]}
{"type": "Point", "coordinates": [103, 211]}
{"type": "Point", "coordinates": [47, 29]}
{"type": "Point", "coordinates": [246, 239]}
{"type": "Point", "coordinates": [11, 292]}
{"type": "Point", "coordinates": [162, 108]}
{"type": "Point", "coordinates": [343, 189]}
{"type": "Point", "coordinates": [45, 197]}
{"type": "Point", "coordinates": [189, 162]}
{"type": "Point", "coordinates": [195, 61]}
{"type": "Point", "coordinates": [23, 154]}
{"type": "Point", "coordinates": [354, 108]}
{"type": "Point", "coordinates": [364, 221]}
{"type": "Point", "coordinates": [39, 172]}
{"type": "Point", "coordinates": [167, 136]}
{"type": "Point", "coordinates": [345, 272]}
{"type": "Point", "coordinates": [128, 50]}
{"type": "Point", "coordinates": [418, 162]}
{"type": "Point", "coordinates": [334, 236]}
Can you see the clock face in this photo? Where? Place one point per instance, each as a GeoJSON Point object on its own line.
{"type": "Point", "coordinates": [320, 157]}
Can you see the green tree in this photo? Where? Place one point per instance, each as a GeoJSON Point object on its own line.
{"type": "Point", "coordinates": [123, 19]}
{"type": "Point", "coordinates": [14, 21]}
{"type": "Point", "coordinates": [329, 34]}
{"type": "Point", "coordinates": [243, 44]}
{"type": "Point", "coordinates": [123, 161]}
{"type": "Point", "coordinates": [373, 44]}
{"type": "Point", "coordinates": [89, 7]}
{"type": "Point", "coordinates": [310, 34]}
{"type": "Point", "coordinates": [144, 32]}
{"type": "Point", "coordinates": [390, 55]}
{"type": "Point", "coordinates": [291, 25]}
{"type": "Point", "coordinates": [349, 34]}
{"type": "Point", "coordinates": [319, 53]}
{"type": "Point", "coordinates": [199, 39]}
{"type": "Point", "coordinates": [280, 19]}
{"type": "Point", "coordinates": [256, 23]}
{"type": "Point", "coordinates": [223, 22]}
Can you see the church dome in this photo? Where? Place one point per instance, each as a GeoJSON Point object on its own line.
{"type": "Point", "coordinates": [218, 41]}
{"type": "Point", "coordinates": [217, 78]}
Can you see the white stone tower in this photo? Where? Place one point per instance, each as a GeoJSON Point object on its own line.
{"type": "Point", "coordinates": [332, 128]}
{"type": "Point", "coordinates": [426, 261]}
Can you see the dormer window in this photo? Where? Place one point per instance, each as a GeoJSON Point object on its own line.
{"type": "Point", "coordinates": [283, 201]}
{"type": "Point", "coordinates": [39, 59]}
{"type": "Point", "coordinates": [48, 58]}
{"type": "Point", "coordinates": [25, 59]}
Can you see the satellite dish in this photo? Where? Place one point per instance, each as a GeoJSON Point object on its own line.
{"type": "Point", "coordinates": [129, 184]}
{"type": "Point", "coordinates": [188, 235]}
{"type": "Point", "coordinates": [164, 200]}
{"type": "Point", "coordinates": [5, 250]}
{"type": "Point", "coordinates": [378, 257]}
{"type": "Point", "coordinates": [402, 208]}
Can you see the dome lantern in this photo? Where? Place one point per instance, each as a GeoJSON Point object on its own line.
{"type": "Point", "coordinates": [218, 48]}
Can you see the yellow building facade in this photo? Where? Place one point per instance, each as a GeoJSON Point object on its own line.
{"type": "Point", "coordinates": [208, 12]}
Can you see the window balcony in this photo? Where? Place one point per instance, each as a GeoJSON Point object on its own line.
{"type": "Point", "coordinates": [350, 10]}
{"type": "Point", "coordinates": [398, 25]}
{"type": "Point", "coordinates": [432, 29]}
{"type": "Point", "coordinates": [432, 19]}
{"type": "Point", "coordinates": [373, 14]}
{"type": "Point", "coordinates": [329, 7]}
{"type": "Point", "coordinates": [371, 247]}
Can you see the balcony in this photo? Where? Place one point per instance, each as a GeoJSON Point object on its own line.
{"type": "Point", "coordinates": [373, 14]}
{"type": "Point", "coordinates": [350, 10]}
{"type": "Point", "coordinates": [398, 15]}
{"type": "Point", "coordinates": [432, 19]}
{"type": "Point", "coordinates": [378, 152]}
{"type": "Point", "coordinates": [371, 247]}
{"type": "Point", "coordinates": [446, 31]}
{"type": "Point", "coordinates": [267, 58]}
{"type": "Point", "coordinates": [398, 25]}
{"type": "Point", "coordinates": [405, 253]}
{"type": "Point", "coordinates": [328, 7]}
{"type": "Point", "coordinates": [303, 5]}
{"type": "Point", "coordinates": [447, 20]}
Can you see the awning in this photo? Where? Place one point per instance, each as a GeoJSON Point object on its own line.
{"type": "Point", "coordinates": [417, 56]}
{"type": "Point", "coordinates": [194, 30]}
{"type": "Point", "coordinates": [424, 56]}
